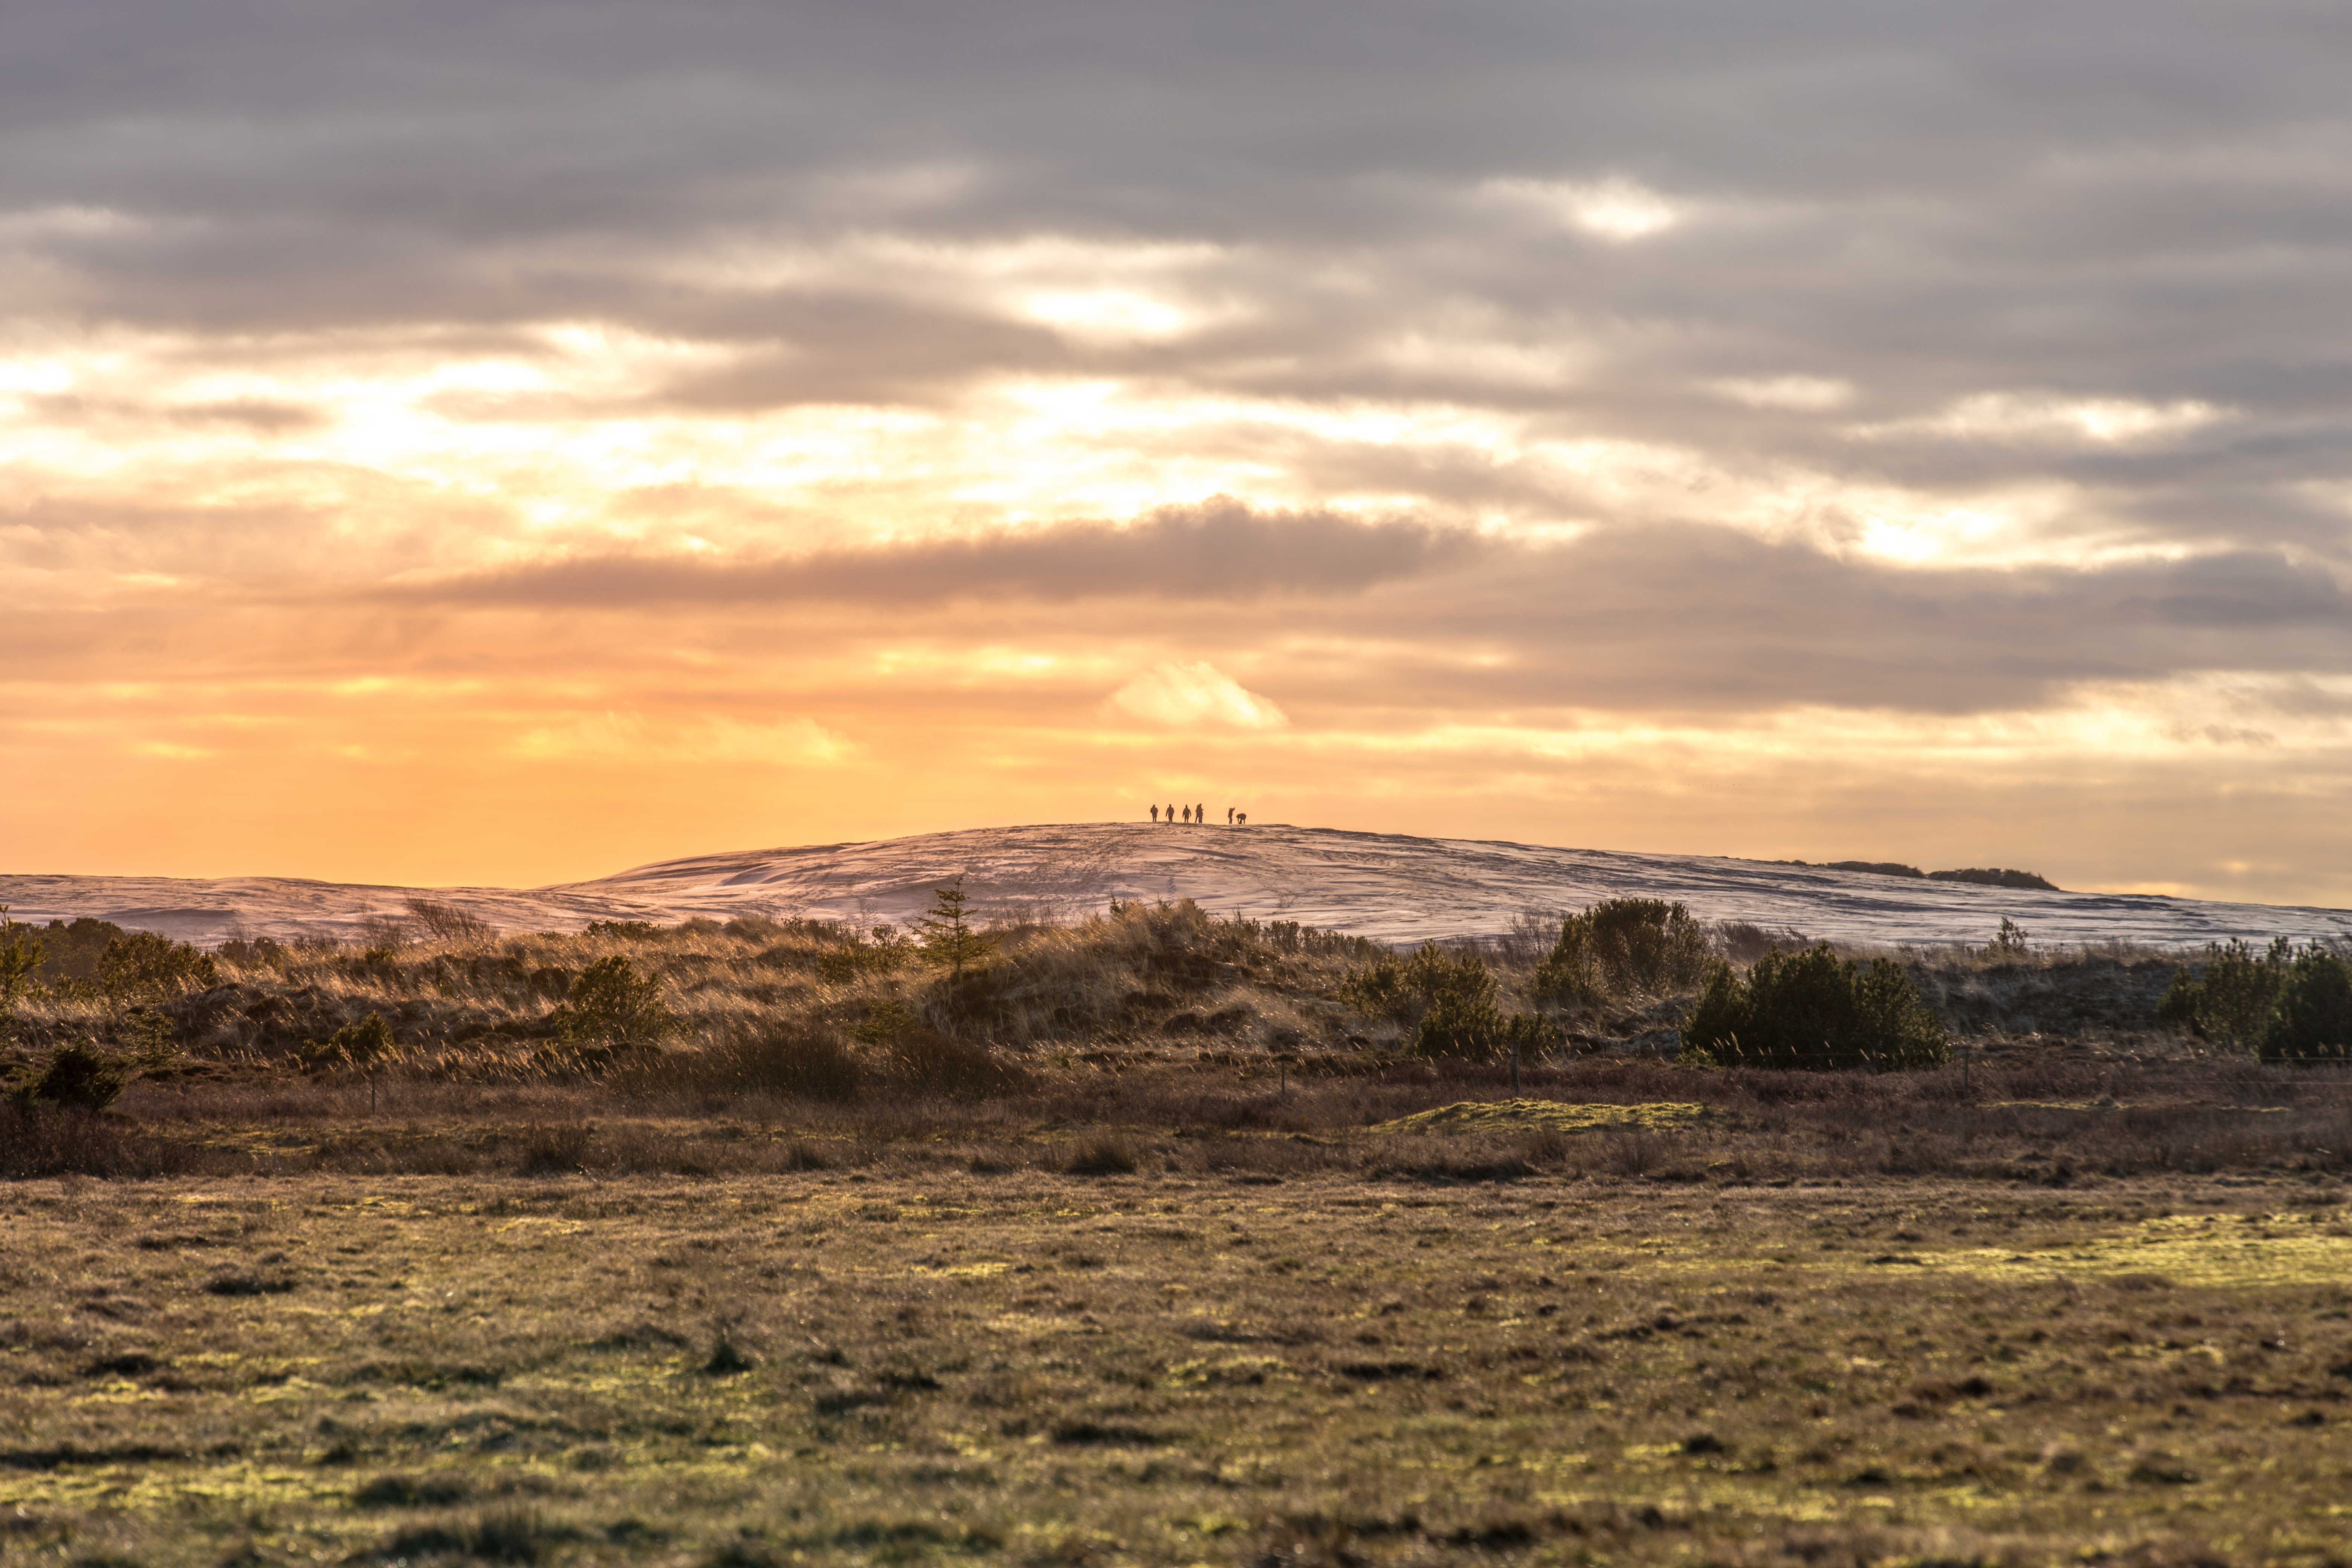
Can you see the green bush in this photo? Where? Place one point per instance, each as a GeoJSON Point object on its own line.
{"type": "Point", "coordinates": [1403, 989]}
{"type": "Point", "coordinates": [1811, 1009]}
{"type": "Point", "coordinates": [2312, 1015]}
{"type": "Point", "coordinates": [1475, 1030]}
{"type": "Point", "coordinates": [140, 965]}
{"type": "Point", "coordinates": [843, 966]}
{"type": "Point", "coordinates": [2231, 1004]}
{"type": "Point", "coordinates": [76, 1075]}
{"type": "Point", "coordinates": [1448, 1000]}
{"type": "Point", "coordinates": [611, 1002]}
{"type": "Point", "coordinates": [356, 1044]}
{"type": "Point", "coordinates": [1623, 946]}
{"type": "Point", "coordinates": [21, 953]}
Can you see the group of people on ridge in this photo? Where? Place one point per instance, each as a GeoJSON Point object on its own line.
{"type": "Point", "coordinates": [1200, 813]}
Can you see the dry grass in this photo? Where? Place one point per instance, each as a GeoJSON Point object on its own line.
{"type": "Point", "coordinates": [1139, 1248]}
{"type": "Point", "coordinates": [1040, 1368]}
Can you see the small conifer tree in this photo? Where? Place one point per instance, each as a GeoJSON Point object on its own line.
{"type": "Point", "coordinates": [949, 938]}
{"type": "Point", "coordinates": [20, 956]}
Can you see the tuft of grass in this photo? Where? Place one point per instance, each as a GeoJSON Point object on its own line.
{"type": "Point", "coordinates": [727, 1360]}
{"type": "Point", "coordinates": [1102, 1156]}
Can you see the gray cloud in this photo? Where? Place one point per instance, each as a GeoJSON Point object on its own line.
{"type": "Point", "coordinates": [1219, 550]}
{"type": "Point", "coordinates": [2148, 200]}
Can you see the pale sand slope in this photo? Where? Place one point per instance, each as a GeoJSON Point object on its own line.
{"type": "Point", "coordinates": [1384, 886]}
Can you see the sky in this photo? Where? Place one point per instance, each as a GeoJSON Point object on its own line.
{"type": "Point", "coordinates": [465, 442]}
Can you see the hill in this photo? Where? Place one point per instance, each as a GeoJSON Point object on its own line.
{"type": "Point", "coordinates": [1387, 886]}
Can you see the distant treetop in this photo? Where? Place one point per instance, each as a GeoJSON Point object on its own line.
{"type": "Point", "coordinates": [1982, 876]}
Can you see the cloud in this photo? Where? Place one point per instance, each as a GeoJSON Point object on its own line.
{"type": "Point", "coordinates": [2104, 421]}
{"type": "Point", "coordinates": [1617, 209]}
{"type": "Point", "coordinates": [1805, 393]}
{"type": "Point", "coordinates": [626, 737]}
{"type": "Point", "coordinates": [1219, 549]}
{"type": "Point", "coordinates": [1692, 366]}
{"type": "Point", "coordinates": [1186, 694]}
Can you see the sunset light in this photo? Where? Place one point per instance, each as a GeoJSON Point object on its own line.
{"type": "Point", "coordinates": [1568, 482]}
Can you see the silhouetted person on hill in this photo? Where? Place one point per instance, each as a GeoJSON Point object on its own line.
{"type": "Point", "coordinates": [1200, 815]}
{"type": "Point", "coordinates": [1188, 814]}
{"type": "Point", "coordinates": [1171, 817]}
{"type": "Point", "coordinates": [1155, 811]}
{"type": "Point", "coordinates": [1241, 818]}
{"type": "Point", "coordinates": [1229, 816]}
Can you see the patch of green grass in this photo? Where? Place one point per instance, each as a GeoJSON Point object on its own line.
{"type": "Point", "coordinates": [1532, 1115]}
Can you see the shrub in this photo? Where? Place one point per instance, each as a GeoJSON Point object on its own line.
{"type": "Point", "coordinates": [447, 923]}
{"type": "Point", "coordinates": [77, 1076]}
{"type": "Point", "coordinates": [140, 965]}
{"type": "Point", "coordinates": [2232, 1003]}
{"type": "Point", "coordinates": [844, 964]}
{"type": "Point", "coordinates": [53, 1141]}
{"type": "Point", "coordinates": [20, 956]}
{"type": "Point", "coordinates": [633, 930]}
{"type": "Point", "coordinates": [553, 1150]}
{"type": "Point", "coordinates": [1101, 1157]}
{"type": "Point", "coordinates": [1995, 876]}
{"type": "Point", "coordinates": [1403, 989]}
{"type": "Point", "coordinates": [355, 1044]}
{"type": "Point", "coordinates": [2312, 1015]}
{"type": "Point", "coordinates": [2007, 944]}
{"type": "Point", "coordinates": [930, 1062]}
{"type": "Point", "coordinates": [1448, 1000]}
{"type": "Point", "coordinates": [885, 1022]}
{"type": "Point", "coordinates": [783, 1061]}
{"type": "Point", "coordinates": [610, 1001]}
{"type": "Point", "coordinates": [1642, 946]}
{"type": "Point", "coordinates": [948, 940]}
{"type": "Point", "coordinates": [1475, 1030]}
{"type": "Point", "coordinates": [148, 1033]}
{"type": "Point", "coordinates": [1811, 1009]}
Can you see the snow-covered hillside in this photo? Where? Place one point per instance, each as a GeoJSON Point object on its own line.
{"type": "Point", "coordinates": [1384, 886]}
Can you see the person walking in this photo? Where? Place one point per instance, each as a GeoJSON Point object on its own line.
{"type": "Point", "coordinates": [1155, 811]}
{"type": "Point", "coordinates": [1200, 813]}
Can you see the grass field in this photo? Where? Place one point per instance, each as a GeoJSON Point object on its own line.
{"type": "Point", "coordinates": [1144, 1243]}
{"type": "Point", "coordinates": [1013, 1365]}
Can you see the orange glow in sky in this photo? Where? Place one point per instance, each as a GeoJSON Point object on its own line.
{"type": "Point", "coordinates": [474, 458]}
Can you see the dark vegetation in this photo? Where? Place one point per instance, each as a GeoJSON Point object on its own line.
{"type": "Point", "coordinates": [1162, 1239]}
{"type": "Point", "coordinates": [1149, 1023]}
{"type": "Point", "coordinates": [1811, 1009]}
{"type": "Point", "coordinates": [1982, 876]}
{"type": "Point", "coordinates": [2284, 1003]}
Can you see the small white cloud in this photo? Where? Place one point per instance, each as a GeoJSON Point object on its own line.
{"type": "Point", "coordinates": [2039, 416]}
{"type": "Point", "coordinates": [1804, 394]}
{"type": "Point", "coordinates": [1110, 314]}
{"type": "Point", "coordinates": [1618, 210]}
{"type": "Point", "coordinates": [1185, 694]}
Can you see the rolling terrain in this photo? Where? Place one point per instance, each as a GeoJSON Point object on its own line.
{"type": "Point", "coordinates": [1387, 886]}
